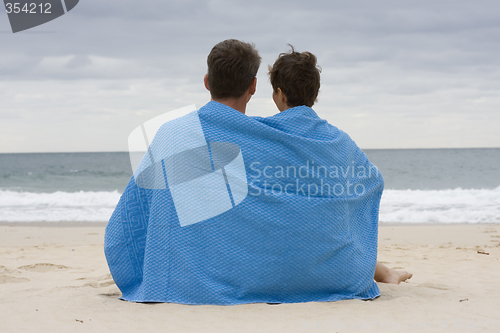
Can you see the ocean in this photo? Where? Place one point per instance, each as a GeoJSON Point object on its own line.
{"type": "Point", "coordinates": [421, 185]}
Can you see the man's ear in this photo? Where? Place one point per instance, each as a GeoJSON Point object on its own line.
{"type": "Point", "coordinates": [253, 86]}
{"type": "Point", "coordinates": [205, 80]}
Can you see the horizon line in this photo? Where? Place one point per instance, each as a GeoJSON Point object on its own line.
{"type": "Point", "coordinates": [126, 151]}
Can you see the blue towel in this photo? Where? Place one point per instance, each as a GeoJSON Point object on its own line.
{"type": "Point", "coordinates": [228, 209]}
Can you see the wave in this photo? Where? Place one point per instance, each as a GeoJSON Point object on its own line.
{"type": "Point", "coordinates": [397, 206]}
{"type": "Point", "coordinates": [441, 206]}
{"type": "Point", "coordinates": [58, 206]}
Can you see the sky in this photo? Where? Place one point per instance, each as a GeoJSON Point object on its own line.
{"type": "Point", "coordinates": [395, 74]}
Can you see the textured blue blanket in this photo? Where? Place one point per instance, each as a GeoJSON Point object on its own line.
{"type": "Point", "coordinates": [228, 209]}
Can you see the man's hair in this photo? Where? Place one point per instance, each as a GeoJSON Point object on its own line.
{"type": "Point", "coordinates": [297, 74]}
{"type": "Point", "coordinates": [232, 66]}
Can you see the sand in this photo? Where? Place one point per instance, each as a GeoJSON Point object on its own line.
{"type": "Point", "coordinates": [54, 278]}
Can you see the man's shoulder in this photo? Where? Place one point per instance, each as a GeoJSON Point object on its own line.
{"type": "Point", "coordinates": [214, 106]}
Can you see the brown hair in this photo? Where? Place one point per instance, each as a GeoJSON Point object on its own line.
{"type": "Point", "coordinates": [232, 66]}
{"type": "Point", "coordinates": [297, 74]}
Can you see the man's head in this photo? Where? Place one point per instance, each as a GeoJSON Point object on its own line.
{"type": "Point", "coordinates": [232, 67]}
{"type": "Point", "coordinates": [295, 79]}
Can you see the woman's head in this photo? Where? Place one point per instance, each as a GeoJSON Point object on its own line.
{"type": "Point", "coordinates": [295, 76]}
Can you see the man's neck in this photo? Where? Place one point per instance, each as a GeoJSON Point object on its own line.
{"type": "Point", "coordinates": [239, 104]}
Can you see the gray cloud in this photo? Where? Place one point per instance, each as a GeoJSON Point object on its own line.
{"type": "Point", "coordinates": [396, 67]}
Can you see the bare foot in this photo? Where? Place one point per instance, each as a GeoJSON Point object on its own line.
{"type": "Point", "coordinates": [388, 275]}
{"type": "Point", "coordinates": [395, 277]}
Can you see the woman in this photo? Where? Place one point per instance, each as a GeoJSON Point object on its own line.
{"type": "Point", "coordinates": [295, 78]}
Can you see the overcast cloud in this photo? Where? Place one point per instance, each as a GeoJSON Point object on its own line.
{"type": "Point", "coordinates": [396, 74]}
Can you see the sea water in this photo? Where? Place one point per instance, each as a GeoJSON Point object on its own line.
{"type": "Point", "coordinates": [421, 185]}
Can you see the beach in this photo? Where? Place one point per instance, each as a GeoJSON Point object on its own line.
{"type": "Point", "coordinates": [235, 156]}
{"type": "Point", "coordinates": [54, 278]}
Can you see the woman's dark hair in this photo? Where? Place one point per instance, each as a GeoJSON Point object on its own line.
{"type": "Point", "coordinates": [297, 74]}
{"type": "Point", "coordinates": [232, 66]}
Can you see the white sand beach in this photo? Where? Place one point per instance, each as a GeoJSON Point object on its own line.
{"type": "Point", "coordinates": [54, 278]}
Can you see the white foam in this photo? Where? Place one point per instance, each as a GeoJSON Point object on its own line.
{"type": "Point", "coordinates": [441, 206]}
{"type": "Point", "coordinates": [413, 206]}
{"type": "Point", "coordinates": [58, 206]}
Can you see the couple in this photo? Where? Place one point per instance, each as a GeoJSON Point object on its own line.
{"type": "Point", "coordinates": [240, 209]}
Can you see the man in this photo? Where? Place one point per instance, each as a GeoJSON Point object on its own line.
{"type": "Point", "coordinates": [230, 209]}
